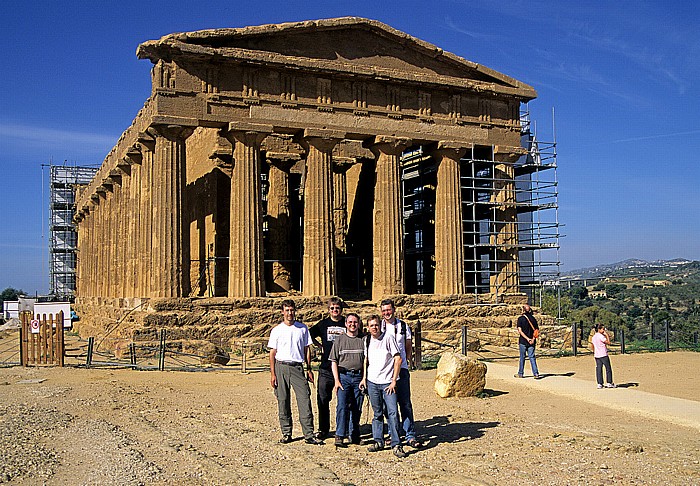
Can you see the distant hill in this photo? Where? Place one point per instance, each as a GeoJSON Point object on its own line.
{"type": "Point", "coordinates": [678, 267]}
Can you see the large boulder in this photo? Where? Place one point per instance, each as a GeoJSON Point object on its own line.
{"type": "Point", "coordinates": [459, 376]}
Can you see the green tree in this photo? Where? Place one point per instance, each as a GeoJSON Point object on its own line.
{"type": "Point", "coordinates": [10, 294]}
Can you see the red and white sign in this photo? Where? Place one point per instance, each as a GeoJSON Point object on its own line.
{"type": "Point", "coordinates": [34, 326]}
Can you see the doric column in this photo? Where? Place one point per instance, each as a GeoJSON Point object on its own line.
{"type": "Point", "coordinates": [504, 274]}
{"type": "Point", "coordinates": [123, 239]}
{"type": "Point", "coordinates": [246, 277]}
{"type": "Point", "coordinates": [97, 246]}
{"type": "Point", "coordinates": [318, 277]}
{"type": "Point", "coordinates": [278, 225]}
{"type": "Point", "coordinates": [116, 238]}
{"type": "Point", "coordinates": [387, 255]}
{"type": "Point", "coordinates": [145, 271]}
{"type": "Point", "coordinates": [340, 207]}
{"type": "Point", "coordinates": [449, 240]}
{"type": "Point", "coordinates": [133, 159]}
{"type": "Point", "coordinates": [91, 250]}
{"type": "Point", "coordinates": [168, 182]}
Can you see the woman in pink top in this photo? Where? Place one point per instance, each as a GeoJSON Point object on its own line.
{"type": "Point", "coordinates": [600, 341]}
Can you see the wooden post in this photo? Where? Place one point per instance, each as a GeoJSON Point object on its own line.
{"type": "Point", "coordinates": [60, 340]}
{"type": "Point", "coordinates": [464, 340]}
{"type": "Point", "coordinates": [161, 360]}
{"type": "Point", "coordinates": [622, 341]}
{"type": "Point", "coordinates": [668, 337]}
{"type": "Point", "coordinates": [91, 345]}
{"type": "Point", "coordinates": [42, 339]}
{"type": "Point", "coordinates": [417, 351]}
{"type": "Point", "coordinates": [574, 339]}
{"type": "Point", "coordinates": [244, 358]}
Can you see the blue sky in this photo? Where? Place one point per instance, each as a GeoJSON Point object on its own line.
{"type": "Point", "coordinates": [622, 77]}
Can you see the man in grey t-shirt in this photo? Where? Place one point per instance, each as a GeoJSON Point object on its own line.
{"type": "Point", "coordinates": [347, 357]}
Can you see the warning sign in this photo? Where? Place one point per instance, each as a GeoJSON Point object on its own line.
{"type": "Point", "coordinates": [34, 325]}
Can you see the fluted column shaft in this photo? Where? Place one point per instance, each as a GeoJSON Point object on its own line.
{"type": "Point", "coordinates": [340, 209]}
{"type": "Point", "coordinates": [121, 240]}
{"type": "Point", "coordinates": [246, 276]}
{"type": "Point", "coordinates": [504, 277]}
{"type": "Point", "coordinates": [147, 279]}
{"type": "Point", "coordinates": [319, 248]}
{"type": "Point", "coordinates": [134, 216]}
{"type": "Point", "coordinates": [387, 254]}
{"type": "Point", "coordinates": [449, 239]}
{"type": "Point", "coordinates": [91, 252]}
{"type": "Point", "coordinates": [278, 227]}
{"type": "Point", "coordinates": [168, 182]}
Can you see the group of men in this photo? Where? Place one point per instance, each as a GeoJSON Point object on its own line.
{"type": "Point", "coordinates": [352, 364]}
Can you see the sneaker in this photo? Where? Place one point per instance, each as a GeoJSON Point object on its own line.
{"type": "Point", "coordinates": [339, 442]}
{"type": "Point", "coordinates": [538, 377]}
{"type": "Point", "coordinates": [387, 442]}
{"type": "Point", "coordinates": [376, 447]}
{"type": "Point", "coordinates": [517, 375]}
{"type": "Point", "coordinates": [398, 451]}
{"type": "Point", "coordinates": [286, 439]}
{"type": "Point", "coordinates": [610, 385]}
{"type": "Point", "coordinates": [313, 441]}
{"type": "Point", "coordinates": [320, 435]}
{"type": "Point", "coordinates": [600, 386]}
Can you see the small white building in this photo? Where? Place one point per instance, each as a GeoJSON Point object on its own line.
{"type": "Point", "coordinates": [10, 309]}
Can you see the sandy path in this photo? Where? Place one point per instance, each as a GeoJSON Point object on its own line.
{"type": "Point", "coordinates": [120, 427]}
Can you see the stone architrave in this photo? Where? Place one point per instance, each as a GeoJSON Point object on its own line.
{"type": "Point", "coordinates": [278, 226]}
{"type": "Point", "coordinates": [318, 274]}
{"type": "Point", "coordinates": [246, 276]}
{"type": "Point", "coordinates": [387, 254]}
{"type": "Point", "coordinates": [459, 376]}
{"type": "Point", "coordinates": [168, 181]}
{"type": "Point", "coordinates": [449, 240]}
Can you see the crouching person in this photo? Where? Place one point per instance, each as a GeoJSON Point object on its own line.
{"type": "Point", "coordinates": [381, 372]}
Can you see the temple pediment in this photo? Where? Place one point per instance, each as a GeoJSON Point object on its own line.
{"type": "Point", "coordinates": [347, 46]}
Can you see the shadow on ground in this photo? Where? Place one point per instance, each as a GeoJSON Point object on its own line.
{"type": "Point", "coordinates": [439, 429]}
{"type": "Point", "coordinates": [545, 375]}
{"type": "Point", "coordinates": [627, 385]}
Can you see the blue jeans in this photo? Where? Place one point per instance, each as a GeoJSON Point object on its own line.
{"type": "Point", "coordinates": [403, 396]}
{"type": "Point", "coordinates": [349, 408]}
{"type": "Point", "coordinates": [384, 402]}
{"type": "Point", "coordinates": [530, 348]}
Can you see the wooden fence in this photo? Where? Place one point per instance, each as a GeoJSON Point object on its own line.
{"type": "Point", "coordinates": [41, 340]}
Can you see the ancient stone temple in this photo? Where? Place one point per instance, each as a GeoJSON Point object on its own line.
{"type": "Point", "coordinates": [270, 159]}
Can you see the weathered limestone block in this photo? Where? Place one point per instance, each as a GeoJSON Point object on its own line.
{"type": "Point", "coordinates": [211, 354]}
{"type": "Point", "coordinates": [459, 376]}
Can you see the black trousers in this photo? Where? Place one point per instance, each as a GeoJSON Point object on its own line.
{"type": "Point", "coordinates": [324, 395]}
{"type": "Point", "coordinates": [599, 363]}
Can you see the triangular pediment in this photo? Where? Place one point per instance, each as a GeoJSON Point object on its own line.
{"type": "Point", "coordinates": [348, 44]}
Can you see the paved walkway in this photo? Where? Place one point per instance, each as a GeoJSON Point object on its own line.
{"type": "Point", "coordinates": [670, 409]}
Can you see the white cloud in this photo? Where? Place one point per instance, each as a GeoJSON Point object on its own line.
{"type": "Point", "coordinates": [54, 137]}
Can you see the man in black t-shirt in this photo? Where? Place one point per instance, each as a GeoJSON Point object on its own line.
{"type": "Point", "coordinates": [323, 334]}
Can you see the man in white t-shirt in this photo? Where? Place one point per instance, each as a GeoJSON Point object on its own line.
{"type": "Point", "coordinates": [289, 345]}
{"type": "Point", "coordinates": [401, 333]}
{"type": "Point", "coordinates": [381, 373]}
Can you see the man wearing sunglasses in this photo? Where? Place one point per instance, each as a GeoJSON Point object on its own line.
{"type": "Point", "coordinates": [323, 334]}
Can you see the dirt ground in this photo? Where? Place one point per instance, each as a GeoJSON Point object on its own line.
{"type": "Point", "coordinates": [124, 427]}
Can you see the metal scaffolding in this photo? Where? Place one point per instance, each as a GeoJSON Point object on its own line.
{"type": "Point", "coordinates": [63, 234]}
{"type": "Point", "coordinates": [509, 213]}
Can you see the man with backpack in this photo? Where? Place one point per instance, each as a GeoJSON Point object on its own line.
{"type": "Point", "coordinates": [380, 377]}
{"type": "Point", "coordinates": [398, 329]}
